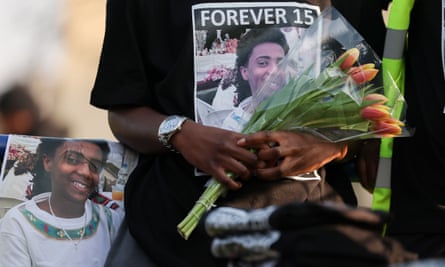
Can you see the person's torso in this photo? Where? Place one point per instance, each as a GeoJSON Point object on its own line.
{"type": "Point", "coordinates": [418, 161]}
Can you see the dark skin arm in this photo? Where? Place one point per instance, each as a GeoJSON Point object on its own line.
{"type": "Point", "coordinates": [210, 149]}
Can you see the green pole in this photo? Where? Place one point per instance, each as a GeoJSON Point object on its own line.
{"type": "Point", "coordinates": [394, 81]}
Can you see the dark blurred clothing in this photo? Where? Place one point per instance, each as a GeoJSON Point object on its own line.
{"type": "Point", "coordinates": [366, 17]}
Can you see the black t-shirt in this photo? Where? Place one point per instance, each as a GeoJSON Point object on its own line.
{"type": "Point", "coordinates": [147, 60]}
{"type": "Point", "coordinates": [363, 15]}
{"type": "Point", "coordinates": [418, 171]}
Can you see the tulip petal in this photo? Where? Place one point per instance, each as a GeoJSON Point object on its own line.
{"type": "Point", "coordinates": [385, 129]}
{"type": "Point", "coordinates": [368, 66]}
{"type": "Point", "coordinates": [378, 98]}
{"type": "Point", "coordinates": [365, 75]}
{"type": "Point", "coordinates": [348, 58]}
{"type": "Point", "coordinates": [375, 112]}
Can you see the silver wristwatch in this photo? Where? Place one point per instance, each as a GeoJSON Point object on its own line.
{"type": "Point", "coordinates": [169, 127]}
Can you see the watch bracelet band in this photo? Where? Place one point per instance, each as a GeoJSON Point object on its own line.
{"type": "Point", "coordinates": [170, 147]}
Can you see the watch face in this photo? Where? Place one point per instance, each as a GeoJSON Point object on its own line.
{"type": "Point", "coordinates": [170, 124]}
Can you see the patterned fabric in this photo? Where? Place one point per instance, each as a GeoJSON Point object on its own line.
{"type": "Point", "coordinates": [99, 198]}
{"type": "Point", "coordinates": [51, 231]}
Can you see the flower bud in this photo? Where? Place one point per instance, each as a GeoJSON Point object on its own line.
{"type": "Point", "coordinates": [387, 128]}
{"type": "Point", "coordinates": [361, 67]}
{"type": "Point", "coordinates": [348, 58]}
{"type": "Point", "coordinates": [364, 75]}
{"type": "Point", "coordinates": [378, 99]}
{"type": "Point", "coordinates": [394, 121]}
{"type": "Point", "coordinates": [375, 112]}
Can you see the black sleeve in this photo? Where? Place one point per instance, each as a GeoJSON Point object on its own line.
{"type": "Point", "coordinates": [121, 78]}
{"type": "Point", "coordinates": [147, 57]}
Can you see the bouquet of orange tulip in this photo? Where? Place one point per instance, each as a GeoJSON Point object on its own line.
{"type": "Point", "coordinates": [337, 105]}
{"type": "Point", "coordinates": [340, 102]}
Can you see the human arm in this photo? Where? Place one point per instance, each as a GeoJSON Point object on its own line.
{"type": "Point", "coordinates": [292, 153]}
{"type": "Point", "coordinates": [209, 149]}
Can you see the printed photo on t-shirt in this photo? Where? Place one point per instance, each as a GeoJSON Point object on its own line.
{"type": "Point", "coordinates": [238, 48]}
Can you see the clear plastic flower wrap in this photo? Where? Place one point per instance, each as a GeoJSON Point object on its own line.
{"type": "Point", "coordinates": [339, 97]}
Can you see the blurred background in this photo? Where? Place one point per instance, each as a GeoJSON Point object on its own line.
{"type": "Point", "coordinates": [49, 53]}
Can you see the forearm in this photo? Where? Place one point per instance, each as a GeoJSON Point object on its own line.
{"type": "Point", "coordinates": [212, 150]}
{"type": "Point", "coordinates": [137, 128]}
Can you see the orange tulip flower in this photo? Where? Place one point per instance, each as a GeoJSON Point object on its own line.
{"type": "Point", "coordinates": [387, 128]}
{"type": "Point", "coordinates": [361, 76]}
{"type": "Point", "coordinates": [378, 98]}
{"type": "Point", "coordinates": [348, 58]}
{"type": "Point", "coordinates": [375, 112]}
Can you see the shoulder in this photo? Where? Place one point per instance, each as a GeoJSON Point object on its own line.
{"type": "Point", "coordinates": [13, 212]}
{"type": "Point", "coordinates": [14, 218]}
{"type": "Point", "coordinates": [111, 216]}
{"type": "Point", "coordinates": [28, 209]}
